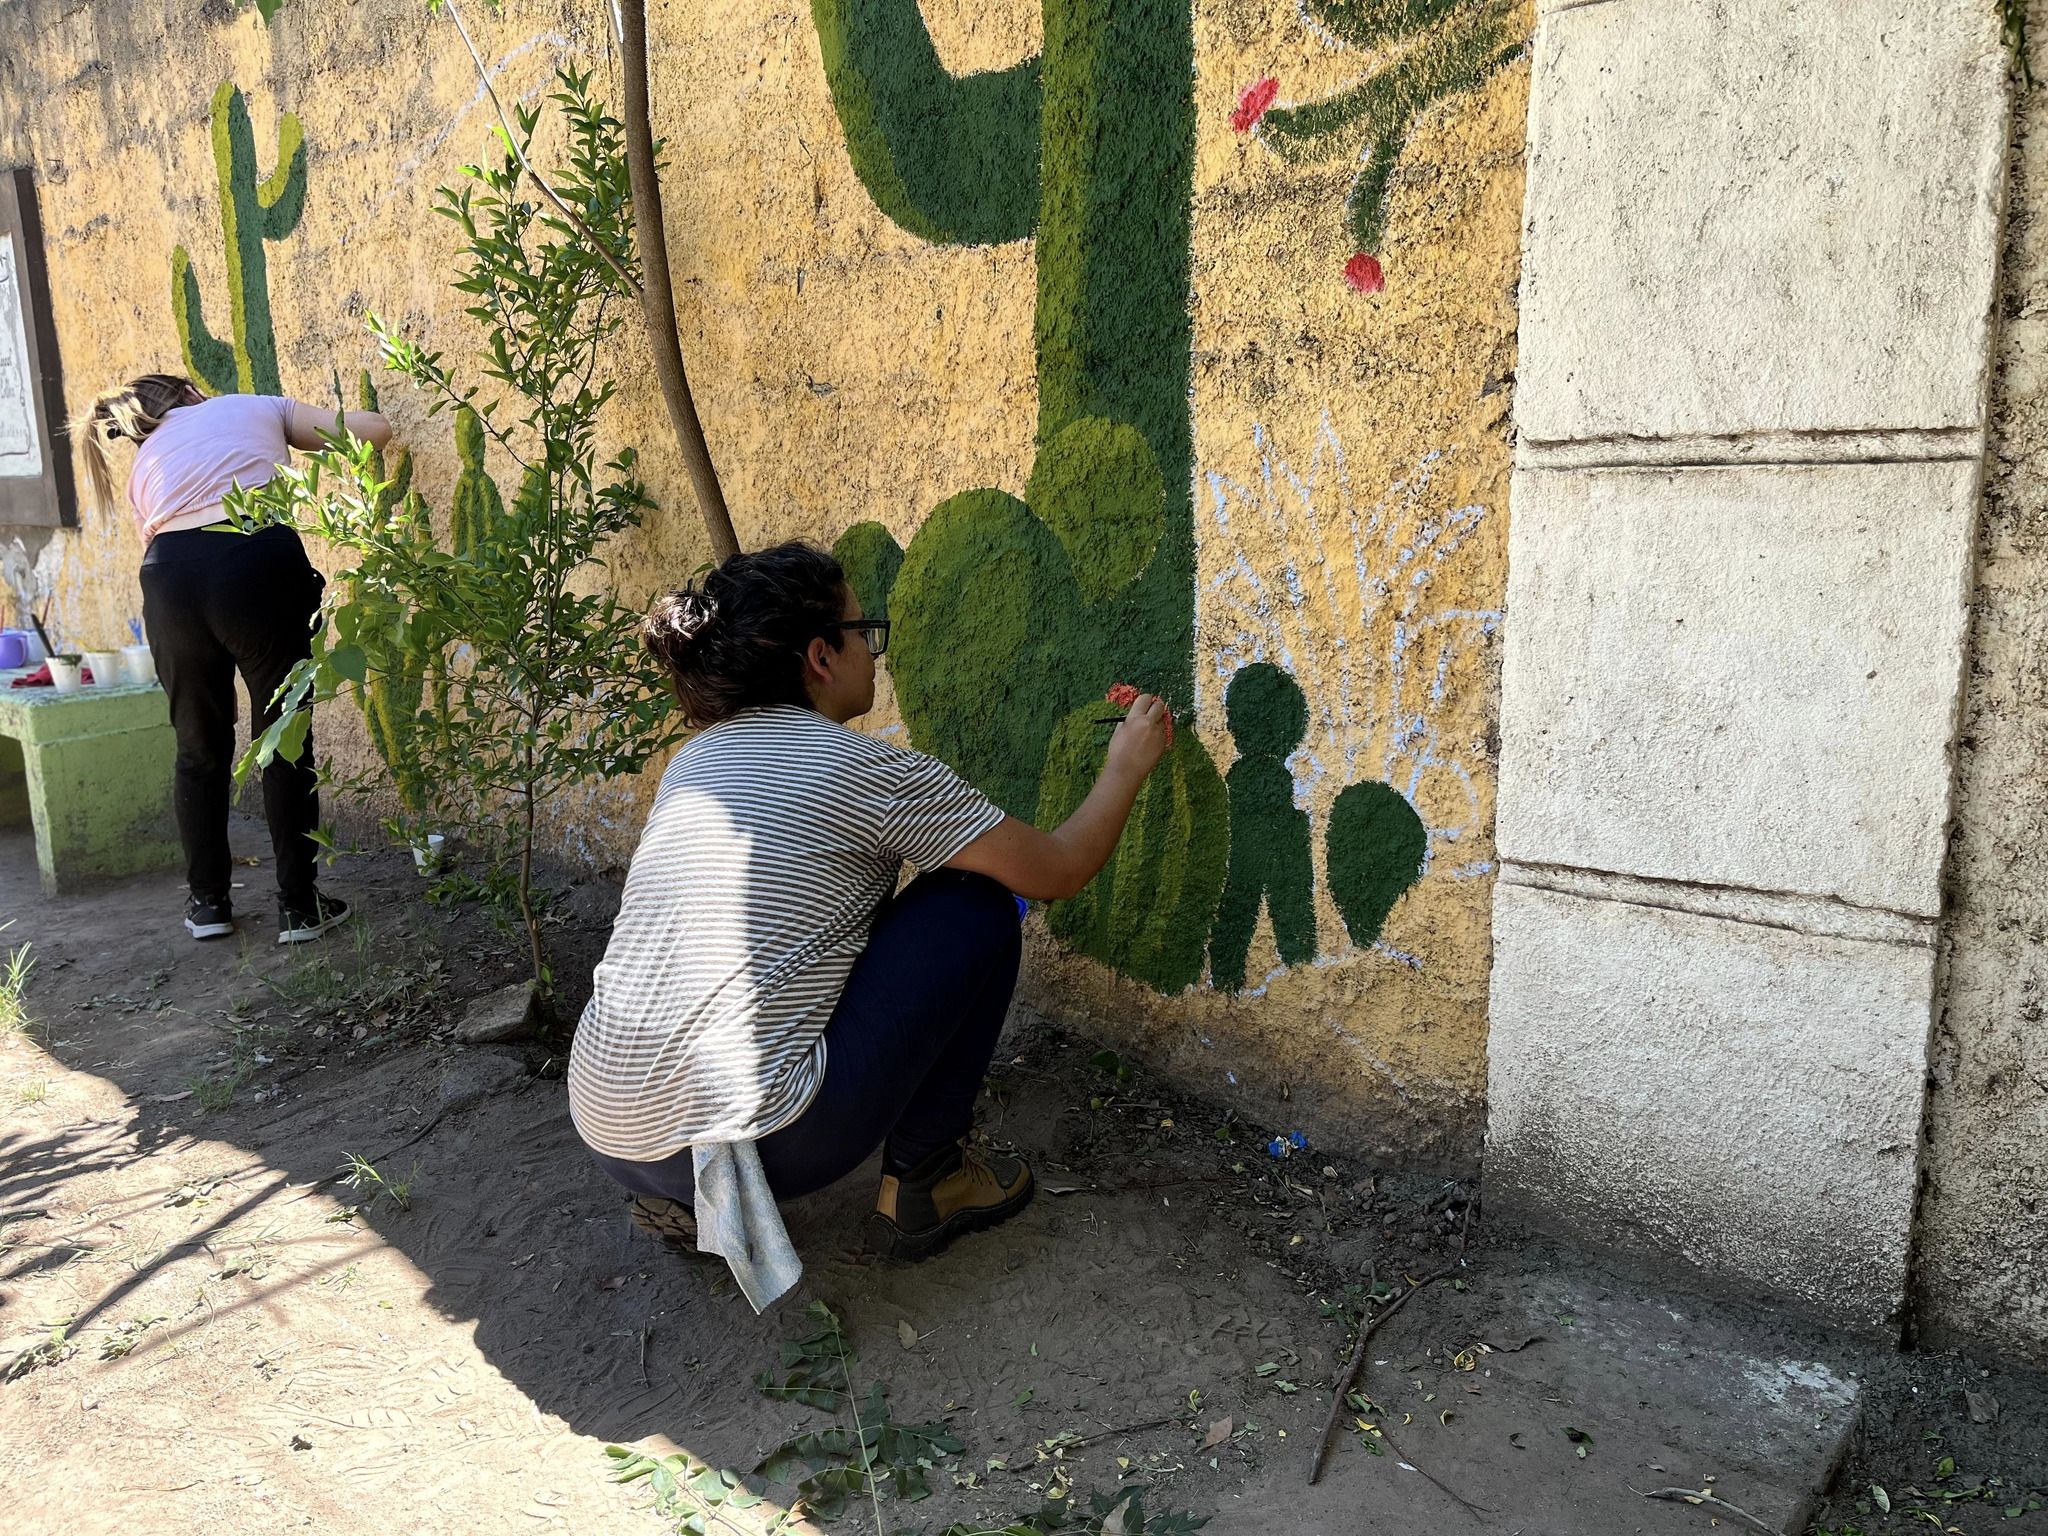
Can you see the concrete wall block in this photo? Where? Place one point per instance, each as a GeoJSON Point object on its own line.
{"type": "Point", "coordinates": [1789, 208]}
{"type": "Point", "coordinates": [1745, 1100]}
{"type": "Point", "coordinates": [1743, 677]}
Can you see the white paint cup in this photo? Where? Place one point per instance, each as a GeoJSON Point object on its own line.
{"type": "Point", "coordinates": [64, 673]}
{"type": "Point", "coordinates": [107, 668]}
{"type": "Point", "coordinates": [426, 856]}
{"type": "Point", "coordinates": [138, 665]}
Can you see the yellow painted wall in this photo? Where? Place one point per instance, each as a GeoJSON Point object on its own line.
{"type": "Point", "coordinates": [847, 370]}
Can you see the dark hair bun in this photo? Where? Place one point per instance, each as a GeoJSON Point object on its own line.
{"type": "Point", "coordinates": [735, 639]}
{"type": "Point", "coordinates": [677, 622]}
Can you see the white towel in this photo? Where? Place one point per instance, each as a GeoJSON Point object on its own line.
{"type": "Point", "coordinates": [737, 1219]}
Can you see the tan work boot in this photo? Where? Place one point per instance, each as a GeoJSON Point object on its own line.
{"type": "Point", "coordinates": [956, 1190]}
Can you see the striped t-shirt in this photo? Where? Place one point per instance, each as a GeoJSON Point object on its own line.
{"type": "Point", "coordinates": [774, 838]}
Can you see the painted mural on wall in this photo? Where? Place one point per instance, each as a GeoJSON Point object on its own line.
{"type": "Point", "coordinates": [1444, 48]}
{"type": "Point", "coordinates": [1340, 600]}
{"type": "Point", "coordinates": [253, 213]}
{"type": "Point", "coordinates": [1012, 615]}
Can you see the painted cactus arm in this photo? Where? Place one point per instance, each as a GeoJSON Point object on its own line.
{"type": "Point", "coordinates": [478, 507]}
{"type": "Point", "coordinates": [281, 197]}
{"type": "Point", "coordinates": [951, 158]}
{"type": "Point", "coordinates": [252, 211]}
{"type": "Point", "coordinates": [207, 358]}
{"type": "Point", "coordinates": [1386, 102]}
{"type": "Point", "coordinates": [1368, 23]}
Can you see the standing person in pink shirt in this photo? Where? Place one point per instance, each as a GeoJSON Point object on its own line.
{"type": "Point", "coordinates": [216, 602]}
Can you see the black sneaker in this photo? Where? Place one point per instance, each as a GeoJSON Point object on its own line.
{"type": "Point", "coordinates": [209, 919]}
{"type": "Point", "coordinates": [296, 927]}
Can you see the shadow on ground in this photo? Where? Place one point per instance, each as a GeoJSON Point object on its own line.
{"type": "Point", "coordinates": [248, 1339]}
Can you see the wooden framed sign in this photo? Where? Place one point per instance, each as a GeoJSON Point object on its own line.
{"type": "Point", "coordinates": [36, 485]}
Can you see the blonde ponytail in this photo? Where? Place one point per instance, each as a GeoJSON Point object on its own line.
{"type": "Point", "coordinates": [132, 410]}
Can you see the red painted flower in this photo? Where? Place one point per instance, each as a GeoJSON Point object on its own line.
{"type": "Point", "coordinates": [1363, 273]}
{"type": "Point", "coordinates": [1252, 103]}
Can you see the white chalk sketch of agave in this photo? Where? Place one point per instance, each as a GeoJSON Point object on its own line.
{"type": "Point", "coordinates": [1431, 49]}
{"type": "Point", "coordinates": [1343, 599]}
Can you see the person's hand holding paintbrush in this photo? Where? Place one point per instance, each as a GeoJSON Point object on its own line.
{"type": "Point", "coordinates": [1127, 697]}
{"type": "Point", "coordinates": [1054, 864]}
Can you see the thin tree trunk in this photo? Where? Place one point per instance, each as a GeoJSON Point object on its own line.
{"type": "Point", "coordinates": [657, 297]}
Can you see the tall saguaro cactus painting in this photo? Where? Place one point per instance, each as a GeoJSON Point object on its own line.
{"type": "Point", "coordinates": [1012, 617]}
{"type": "Point", "coordinates": [252, 212]}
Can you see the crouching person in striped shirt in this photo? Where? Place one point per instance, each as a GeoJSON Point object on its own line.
{"type": "Point", "coordinates": [769, 1009]}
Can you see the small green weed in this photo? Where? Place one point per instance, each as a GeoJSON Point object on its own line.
{"type": "Point", "coordinates": [54, 1350]}
{"type": "Point", "coordinates": [122, 1340]}
{"type": "Point", "coordinates": [33, 1092]}
{"type": "Point", "coordinates": [215, 1092]}
{"type": "Point", "coordinates": [831, 1466]}
{"type": "Point", "coordinates": [365, 1178]}
{"type": "Point", "coordinates": [14, 974]}
{"type": "Point", "coordinates": [839, 1465]}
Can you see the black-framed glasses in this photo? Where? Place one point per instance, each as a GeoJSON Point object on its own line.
{"type": "Point", "coordinates": [874, 631]}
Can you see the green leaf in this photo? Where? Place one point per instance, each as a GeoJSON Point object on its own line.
{"type": "Point", "coordinates": [291, 734]}
{"type": "Point", "coordinates": [350, 661]}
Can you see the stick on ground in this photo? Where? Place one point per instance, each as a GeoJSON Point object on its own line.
{"type": "Point", "coordinates": [1365, 1332]}
{"type": "Point", "coordinates": [1705, 1500]}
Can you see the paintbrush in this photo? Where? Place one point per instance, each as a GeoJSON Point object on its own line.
{"type": "Point", "coordinates": [42, 634]}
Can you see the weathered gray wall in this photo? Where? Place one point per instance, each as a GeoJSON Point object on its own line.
{"type": "Point", "coordinates": [1758, 269]}
{"type": "Point", "coordinates": [1982, 1270]}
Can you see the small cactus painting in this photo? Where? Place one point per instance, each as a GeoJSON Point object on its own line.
{"type": "Point", "coordinates": [252, 213]}
{"type": "Point", "coordinates": [398, 664]}
{"type": "Point", "coordinates": [1426, 51]}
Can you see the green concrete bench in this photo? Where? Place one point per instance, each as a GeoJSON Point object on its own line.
{"type": "Point", "coordinates": [92, 772]}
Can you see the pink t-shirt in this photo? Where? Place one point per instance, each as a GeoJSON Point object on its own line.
{"type": "Point", "coordinates": [201, 452]}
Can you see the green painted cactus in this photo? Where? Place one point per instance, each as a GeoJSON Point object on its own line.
{"type": "Point", "coordinates": [1147, 914]}
{"type": "Point", "coordinates": [1011, 617]}
{"type": "Point", "coordinates": [398, 659]}
{"type": "Point", "coordinates": [1451, 46]}
{"type": "Point", "coordinates": [251, 212]}
{"type": "Point", "coordinates": [478, 508]}
{"type": "Point", "coordinates": [1010, 614]}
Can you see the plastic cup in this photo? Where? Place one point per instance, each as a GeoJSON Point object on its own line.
{"type": "Point", "coordinates": [426, 855]}
{"type": "Point", "coordinates": [64, 673]}
{"type": "Point", "coordinates": [107, 668]}
{"type": "Point", "coordinates": [138, 665]}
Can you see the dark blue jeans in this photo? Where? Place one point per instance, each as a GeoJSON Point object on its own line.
{"type": "Point", "coordinates": [905, 1049]}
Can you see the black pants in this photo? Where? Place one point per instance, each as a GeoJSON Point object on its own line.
{"type": "Point", "coordinates": [905, 1049]}
{"type": "Point", "coordinates": [214, 602]}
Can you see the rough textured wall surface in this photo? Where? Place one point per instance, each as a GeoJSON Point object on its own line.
{"type": "Point", "coordinates": [1255, 418]}
{"type": "Point", "coordinates": [1983, 1239]}
{"type": "Point", "coordinates": [1746, 491]}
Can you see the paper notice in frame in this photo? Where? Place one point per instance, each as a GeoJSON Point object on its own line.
{"type": "Point", "coordinates": [36, 487]}
{"type": "Point", "coordinates": [20, 450]}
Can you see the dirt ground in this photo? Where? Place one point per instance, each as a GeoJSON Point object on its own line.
{"type": "Point", "coordinates": [210, 1331]}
